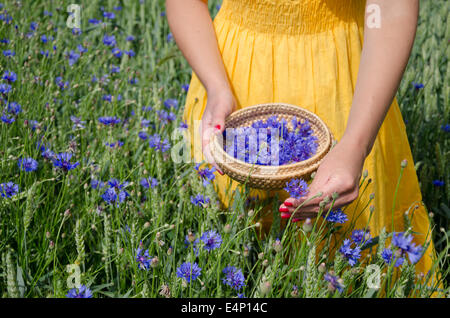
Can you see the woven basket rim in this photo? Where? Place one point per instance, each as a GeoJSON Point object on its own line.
{"type": "Point", "coordinates": [305, 164]}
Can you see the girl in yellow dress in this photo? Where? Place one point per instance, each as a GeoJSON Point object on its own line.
{"type": "Point", "coordinates": [310, 53]}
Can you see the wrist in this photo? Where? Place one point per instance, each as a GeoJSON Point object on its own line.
{"type": "Point", "coordinates": [217, 88]}
{"type": "Point", "coordinates": [355, 145]}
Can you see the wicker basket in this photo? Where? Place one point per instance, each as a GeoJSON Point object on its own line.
{"type": "Point", "coordinates": [271, 177]}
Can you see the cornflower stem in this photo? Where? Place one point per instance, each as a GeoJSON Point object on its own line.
{"type": "Point", "coordinates": [395, 195]}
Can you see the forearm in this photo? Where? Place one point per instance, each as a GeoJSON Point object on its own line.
{"type": "Point", "coordinates": [193, 31]}
{"type": "Point", "coordinates": [384, 58]}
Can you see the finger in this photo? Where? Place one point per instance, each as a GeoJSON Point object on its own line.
{"type": "Point", "coordinates": [210, 159]}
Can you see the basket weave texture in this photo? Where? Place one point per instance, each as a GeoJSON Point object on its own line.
{"type": "Point", "coordinates": [271, 177]}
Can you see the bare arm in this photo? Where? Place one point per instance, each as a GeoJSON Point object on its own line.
{"type": "Point", "coordinates": [384, 57]}
{"type": "Point", "coordinates": [193, 31]}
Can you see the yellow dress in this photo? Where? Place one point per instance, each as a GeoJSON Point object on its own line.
{"type": "Point", "coordinates": [307, 53]}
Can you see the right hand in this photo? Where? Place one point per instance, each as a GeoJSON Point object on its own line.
{"type": "Point", "coordinates": [219, 105]}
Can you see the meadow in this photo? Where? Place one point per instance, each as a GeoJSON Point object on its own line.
{"type": "Point", "coordinates": [92, 204]}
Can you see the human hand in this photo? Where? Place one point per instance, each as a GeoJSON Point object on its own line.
{"type": "Point", "coordinates": [340, 171]}
{"type": "Point", "coordinates": [220, 104]}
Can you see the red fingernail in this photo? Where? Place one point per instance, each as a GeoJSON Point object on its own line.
{"type": "Point", "coordinates": [287, 203]}
{"type": "Point", "coordinates": [218, 127]}
{"type": "Point", "coordinates": [283, 209]}
{"type": "Point", "coordinates": [285, 215]}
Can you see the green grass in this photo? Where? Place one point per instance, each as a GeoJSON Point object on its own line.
{"type": "Point", "coordinates": [58, 219]}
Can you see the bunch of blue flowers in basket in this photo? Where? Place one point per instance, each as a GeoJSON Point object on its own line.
{"type": "Point", "coordinates": [271, 142]}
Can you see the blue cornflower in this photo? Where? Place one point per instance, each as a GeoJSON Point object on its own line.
{"type": "Point", "coordinates": [188, 271]}
{"type": "Point", "coordinates": [81, 48]}
{"type": "Point", "coordinates": [297, 188]}
{"type": "Point", "coordinates": [109, 40]}
{"type": "Point", "coordinates": [115, 144]}
{"type": "Point", "coordinates": [417, 86]}
{"type": "Point", "coordinates": [61, 84]}
{"type": "Point", "coordinates": [169, 37]}
{"type": "Point", "coordinates": [107, 97]}
{"type": "Point", "coordinates": [165, 117]}
{"type": "Point", "coordinates": [130, 38]}
{"type": "Point", "coordinates": [110, 195]}
{"type": "Point", "coordinates": [115, 69]}
{"type": "Point", "coordinates": [156, 143]}
{"type": "Point", "coordinates": [405, 244]}
{"type": "Point", "coordinates": [109, 15]}
{"type": "Point", "coordinates": [27, 164]}
{"type": "Point", "coordinates": [7, 120]}
{"type": "Point", "coordinates": [233, 277]}
{"type": "Point", "coordinates": [48, 154]}
{"type": "Point", "coordinates": [10, 76]}
{"type": "Point", "coordinates": [109, 121]}
{"type": "Point", "coordinates": [94, 21]}
{"type": "Point", "coordinates": [351, 254]}
{"type": "Point", "coordinates": [143, 258]}
{"type": "Point", "coordinates": [77, 122]}
{"type": "Point", "coordinates": [133, 81]}
{"type": "Point", "coordinates": [44, 38]}
{"type": "Point", "coordinates": [143, 135]}
{"type": "Point", "coordinates": [149, 182]}
{"type": "Point", "coordinates": [185, 87]}
{"type": "Point", "coordinates": [9, 189]}
{"type": "Point", "coordinates": [13, 108]}
{"type": "Point", "coordinates": [388, 256]}
{"type": "Point", "coordinates": [211, 240]}
{"type": "Point", "coordinates": [9, 53]}
{"type": "Point", "coordinates": [33, 26]}
{"type": "Point", "coordinates": [81, 292]}
{"type": "Point", "coordinates": [207, 175]}
{"type": "Point", "coordinates": [171, 103]}
{"type": "Point", "coordinates": [336, 216]}
{"type": "Point", "coordinates": [45, 53]}
{"type": "Point", "coordinates": [62, 161]}
{"type": "Point", "coordinates": [73, 57]}
{"type": "Point", "coordinates": [446, 127]}
{"type": "Point", "coordinates": [5, 88]}
{"type": "Point", "coordinates": [361, 237]}
{"type": "Point", "coordinates": [438, 183]}
{"type": "Point", "coordinates": [199, 200]}
{"type": "Point", "coordinates": [76, 31]}
{"type": "Point", "coordinates": [97, 184]}
{"type": "Point", "coordinates": [117, 52]}
{"type": "Point", "coordinates": [154, 140]}
{"type": "Point", "coordinates": [334, 282]}
{"type": "Point", "coordinates": [183, 125]}
{"type": "Point", "coordinates": [130, 53]}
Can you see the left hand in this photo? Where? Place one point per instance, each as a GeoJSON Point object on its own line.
{"type": "Point", "coordinates": [340, 171]}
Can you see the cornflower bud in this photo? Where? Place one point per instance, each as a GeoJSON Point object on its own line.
{"type": "Point", "coordinates": [307, 225]}
{"type": "Point", "coordinates": [404, 163]}
{"type": "Point", "coordinates": [277, 246]}
{"type": "Point", "coordinates": [322, 268]}
{"type": "Point", "coordinates": [227, 228]}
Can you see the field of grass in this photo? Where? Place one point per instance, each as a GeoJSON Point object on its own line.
{"type": "Point", "coordinates": [120, 217]}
